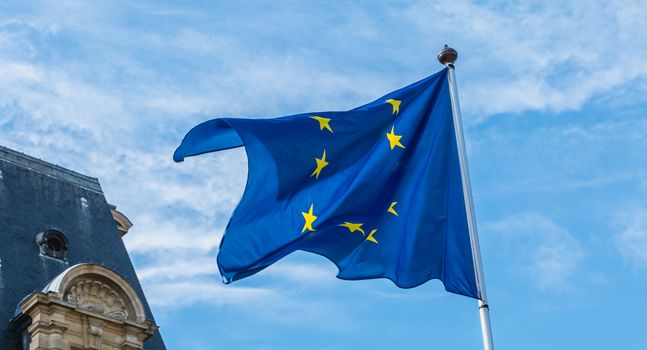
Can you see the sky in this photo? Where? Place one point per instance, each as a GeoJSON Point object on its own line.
{"type": "Point", "coordinates": [553, 101]}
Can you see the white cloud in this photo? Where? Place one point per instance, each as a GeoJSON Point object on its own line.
{"type": "Point", "coordinates": [543, 56]}
{"type": "Point", "coordinates": [176, 268]}
{"type": "Point", "coordinates": [178, 294]}
{"type": "Point", "coordinates": [112, 101]}
{"type": "Point", "coordinates": [632, 241]}
{"type": "Point", "coordinates": [172, 236]}
{"type": "Point", "coordinates": [275, 306]}
{"type": "Point", "coordinates": [536, 247]}
{"type": "Point", "coordinates": [304, 273]}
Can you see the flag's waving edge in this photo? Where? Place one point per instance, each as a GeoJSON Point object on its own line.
{"type": "Point", "coordinates": [210, 136]}
{"type": "Point", "coordinates": [376, 190]}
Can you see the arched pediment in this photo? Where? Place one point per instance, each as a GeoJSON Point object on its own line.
{"type": "Point", "coordinates": [87, 306]}
{"type": "Point", "coordinates": [98, 289]}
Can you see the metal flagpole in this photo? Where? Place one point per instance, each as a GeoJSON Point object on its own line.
{"type": "Point", "coordinates": [447, 56]}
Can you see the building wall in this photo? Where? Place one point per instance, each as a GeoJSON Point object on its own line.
{"type": "Point", "coordinates": [36, 196]}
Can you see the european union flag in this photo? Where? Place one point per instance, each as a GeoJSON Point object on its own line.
{"type": "Point", "coordinates": [377, 190]}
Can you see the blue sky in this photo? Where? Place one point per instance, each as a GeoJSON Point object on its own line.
{"type": "Point", "coordinates": [553, 100]}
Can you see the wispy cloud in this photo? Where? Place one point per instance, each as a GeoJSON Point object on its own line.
{"type": "Point", "coordinates": [181, 294]}
{"type": "Point", "coordinates": [598, 150]}
{"type": "Point", "coordinates": [547, 255]}
{"type": "Point", "coordinates": [632, 240]}
{"type": "Point", "coordinates": [82, 88]}
{"type": "Point", "coordinates": [549, 56]}
{"type": "Point", "coordinates": [272, 305]}
{"type": "Point", "coordinates": [307, 273]}
{"type": "Point", "coordinates": [109, 89]}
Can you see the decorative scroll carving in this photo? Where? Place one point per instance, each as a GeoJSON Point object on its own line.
{"type": "Point", "coordinates": [123, 223]}
{"type": "Point", "coordinates": [97, 297]}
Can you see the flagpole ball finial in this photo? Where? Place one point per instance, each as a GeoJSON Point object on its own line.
{"type": "Point", "coordinates": [447, 56]}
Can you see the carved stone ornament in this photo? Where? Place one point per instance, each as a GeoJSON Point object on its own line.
{"type": "Point", "coordinates": [97, 297]}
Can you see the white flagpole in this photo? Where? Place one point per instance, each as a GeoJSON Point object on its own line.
{"type": "Point", "coordinates": [447, 56]}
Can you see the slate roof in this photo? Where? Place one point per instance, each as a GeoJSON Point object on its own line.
{"type": "Point", "coordinates": [36, 196]}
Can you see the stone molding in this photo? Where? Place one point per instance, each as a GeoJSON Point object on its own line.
{"type": "Point", "coordinates": [123, 223]}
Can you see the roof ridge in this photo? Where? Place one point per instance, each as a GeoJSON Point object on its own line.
{"type": "Point", "coordinates": [49, 169]}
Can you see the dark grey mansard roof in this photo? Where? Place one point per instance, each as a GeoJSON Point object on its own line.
{"type": "Point", "coordinates": [36, 196]}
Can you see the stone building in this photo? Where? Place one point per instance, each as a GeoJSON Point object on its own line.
{"type": "Point", "coordinates": [66, 280]}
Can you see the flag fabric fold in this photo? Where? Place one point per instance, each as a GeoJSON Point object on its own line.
{"type": "Point", "coordinates": [377, 190]}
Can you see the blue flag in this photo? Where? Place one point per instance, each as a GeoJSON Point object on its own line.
{"type": "Point", "coordinates": [377, 190]}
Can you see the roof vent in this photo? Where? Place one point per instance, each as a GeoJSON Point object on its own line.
{"type": "Point", "coordinates": [53, 243]}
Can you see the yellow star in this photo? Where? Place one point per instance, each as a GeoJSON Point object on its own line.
{"type": "Point", "coordinates": [309, 218]}
{"type": "Point", "coordinates": [353, 227]}
{"type": "Point", "coordinates": [371, 238]}
{"type": "Point", "coordinates": [392, 209]}
{"type": "Point", "coordinates": [395, 104]}
{"type": "Point", "coordinates": [394, 140]}
{"type": "Point", "coordinates": [321, 163]}
{"type": "Point", "coordinates": [323, 122]}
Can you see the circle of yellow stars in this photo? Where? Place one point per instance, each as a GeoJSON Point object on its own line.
{"type": "Point", "coordinates": [394, 141]}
